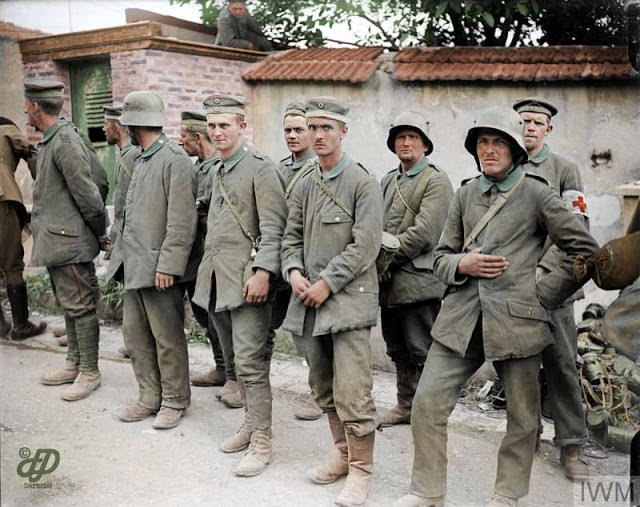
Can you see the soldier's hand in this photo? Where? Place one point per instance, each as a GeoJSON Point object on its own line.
{"type": "Point", "coordinates": [163, 281]}
{"type": "Point", "coordinates": [256, 290]}
{"type": "Point", "coordinates": [298, 282]}
{"type": "Point", "coordinates": [105, 244]}
{"type": "Point", "coordinates": [479, 265]}
{"type": "Point", "coordinates": [316, 294]}
{"type": "Point", "coordinates": [384, 277]}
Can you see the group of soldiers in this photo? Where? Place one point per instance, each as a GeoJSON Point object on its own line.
{"type": "Point", "coordinates": [484, 273]}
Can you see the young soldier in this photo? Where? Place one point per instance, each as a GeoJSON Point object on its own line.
{"type": "Point", "coordinates": [241, 262]}
{"type": "Point", "coordinates": [494, 308]}
{"type": "Point", "coordinates": [126, 158]}
{"type": "Point", "coordinates": [13, 216]}
{"type": "Point", "coordinates": [416, 199]}
{"type": "Point", "coordinates": [293, 168]}
{"type": "Point", "coordinates": [196, 142]}
{"type": "Point", "coordinates": [68, 222]}
{"type": "Point", "coordinates": [153, 248]}
{"type": "Point", "coordinates": [559, 359]}
{"type": "Point", "coordinates": [328, 256]}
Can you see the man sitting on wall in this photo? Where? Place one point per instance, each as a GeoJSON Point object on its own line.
{"type": "Point", "coordinates": [239, 29]}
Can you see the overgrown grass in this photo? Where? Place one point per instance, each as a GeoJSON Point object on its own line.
{"type": "Point", "coordinates": [195, 334]}
{"type": "Point", "coordinates": [40, 293]}
{"type": "Point", "coordinates": [284, 344]}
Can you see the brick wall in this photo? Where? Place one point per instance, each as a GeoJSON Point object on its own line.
{"type": "Point", "coordinates": [183, 81]}
{"type": "Point", "coordinates": [56, 71]}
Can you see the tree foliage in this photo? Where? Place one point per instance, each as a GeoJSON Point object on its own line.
{"type": "Point", "coordinates": [399, 23]}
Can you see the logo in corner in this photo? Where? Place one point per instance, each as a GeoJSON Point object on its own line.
{"type": "Point", "coordinates": [44, 461]}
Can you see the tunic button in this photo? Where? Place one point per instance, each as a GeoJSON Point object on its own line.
{"type": "Point", "coordinates": [337, 219]}
{"type": "Point", "coordinates": [361, 289]}
{"type": "Point", "coordinates": [62, 231]}
{"type": "Point", "coordinates": [530, 312]}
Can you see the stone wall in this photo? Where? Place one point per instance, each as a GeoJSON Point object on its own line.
{"type": "Point", "coordinates": [183, 81]}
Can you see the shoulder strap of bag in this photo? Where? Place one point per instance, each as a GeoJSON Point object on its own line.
{"type": "Point", "coordinates": [416, 198]}
{"type": "Point", "coordinates": [318, 180]}
{"type": "Point", "coordinates": [254, 241]}
{"type": "Point", "coordinates": [303, 171]}
{"type": "Point", "coordinates": [497, 205]}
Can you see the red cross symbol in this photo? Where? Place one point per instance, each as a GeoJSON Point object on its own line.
{"type": "Point", "coordinates": [580, 204]}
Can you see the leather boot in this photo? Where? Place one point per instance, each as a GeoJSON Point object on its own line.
{"type": "Point", "coordinates": [407, 376]}
{"type": "Point", "coordinates": [257, 457]}
{"type": "Point", "coordinates": [168, 418]}
{"type": "Point", "coordinates": [135, 413]}
{"type": "Point", "coordinates": [212, 378]}
{"type": "Point", "coordinates": [356, 487]}
{"type": "Point", "coordinates": [308, 410]}
{"type": "Point", "coordinates": [22, 327]}
{"type": "Point", "coordinates": [238, 441]}
{"type": "Point", "coordinates": [338, 465]}
{"type": "Point", "coordinates": [85, 383]}
{"type": "Point", "coordinates": [571, 460]}
{"type": "Point", "coordinates": [234, 396]}
{"type": "Point", "coordinates": [58, 377]}
{"type": "Point", "coordinates": [498, 500]}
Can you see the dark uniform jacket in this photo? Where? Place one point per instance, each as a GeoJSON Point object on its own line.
{"type": "Point", "coordinates": [255, 189]}
{"type": "Point", "coordinates": [412, 277]}
{"type": "Point", "coordinates": [160, 217]}
{"type": "Point", "coordinates": [68, 215]}
{"type": "Point", "coordinates": [563, 176]}
{"type": "Point", "coordinates": [322, 241]}
{"type": "Point", "coordinates": [13, 147]}
{"type": "Point", "coordinates": [237, 33]}
{"type": "Point", "coordinates": [513, 307]}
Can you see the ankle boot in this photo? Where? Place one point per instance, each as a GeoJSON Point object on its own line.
{"type": "Point", "coordinates": [85, 383]}
{"type": "Point", "coordinates": [356, 487]}
{"type": "Point", "coordinates": [338, 465]}
{"type": "Point", "coordinates": [574, 465]}
{"type": "Point", "coordinates": [407, 376]}
{"type": "Point", "coordinates": [22, 327]}
{"type": "Point", "coordinates": [58, 377]}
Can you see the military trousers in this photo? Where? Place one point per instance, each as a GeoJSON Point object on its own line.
{"type": "Point", "coordinates": [565, 396]}
{"type": "Point", "coordinates": [243, 334]}
{"type": "Point", "coordinates": [406, 330]}
{"type": "Point", "coordinates": [341, 374]}
{"type": "Point", "coordinates": [153, 329]}
{"type": "Point", "coordinates": [444, 374]}
{"type": "Point", "coordinates": [11, 252]}
{"type": "Point", "coordinates": [75, 287]}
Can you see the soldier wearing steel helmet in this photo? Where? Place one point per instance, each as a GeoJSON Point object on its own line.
{"type": "Point", "coordinates": [153, 251]}
{"type": "Point", "coordinates": [416, 199]}
{"type": "Point", "coordinates": [559, 359]}
{"type": "Point", "coordinates": [68, 222]}
{"type": "Point", "coordinates": [494, 308]}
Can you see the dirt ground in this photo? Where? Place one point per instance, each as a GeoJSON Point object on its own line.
{"type": "Point", "coordinates": [107, 462]}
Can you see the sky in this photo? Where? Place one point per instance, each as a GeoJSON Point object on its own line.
{"type": "Point", "coordinates": [63, 16]}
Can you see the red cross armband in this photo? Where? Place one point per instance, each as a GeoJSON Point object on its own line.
{"type": "Point", "coordinates": [575, 201]}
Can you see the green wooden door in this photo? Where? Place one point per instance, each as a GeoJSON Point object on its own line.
{"type": "Point", "coordinates": [90, 90]}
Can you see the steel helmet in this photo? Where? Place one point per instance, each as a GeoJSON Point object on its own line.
{"type": "Point", "coordinates": [410, 120]}
{"type": "Point", "coordinates": [143, 109]}
{"type": "Point", "coordinates": [508, 123]}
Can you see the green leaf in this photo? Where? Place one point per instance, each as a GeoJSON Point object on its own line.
{"type": "Point", "coordinates": [442, 6]}
{"type": "Point", "coordinates": [488, 18]}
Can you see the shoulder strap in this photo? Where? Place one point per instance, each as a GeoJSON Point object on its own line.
{"type": "Point", "coordinates": [254, 241]}
{"type": "Point", "coordinates": [332, 196]}
{"type": "Point", "coordinates": [125, 166]}
{"type": "Point", "coordinates": [416, 198]}
{"type": "Point", "coordinates": [497, 205]}
{"type": "Point", "coordinates": [303, 171]}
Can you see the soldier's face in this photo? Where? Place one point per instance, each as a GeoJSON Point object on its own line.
{"type": "Point", "coordinates": [188, 142]}
{"type": "Point", "coordinates": [30, 109]}
{"type": "Point", "coordinates": [238, 10]}
{"type": "Point", "coordinates": [110, 130]}
{"type": "Point", "coordinates": [296, 134]}
{"type": "Point", "coordinates": [326, 135]}
{"type": "Point", "coordinates": [536, 129]}
{"type": "Point", "coordinates": [226, 131]}
{"type": "Point", "coordinates": [409, 146]}
{"type": "Point", "coordinates": [494, 154]}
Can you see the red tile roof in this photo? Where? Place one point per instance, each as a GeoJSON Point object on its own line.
{"type": "Point", "coordinates": [15, 32]}
{"type": "Point", "coordinates": [553, 63]}
{"type": "Point", "coordinates": [317, 64]}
